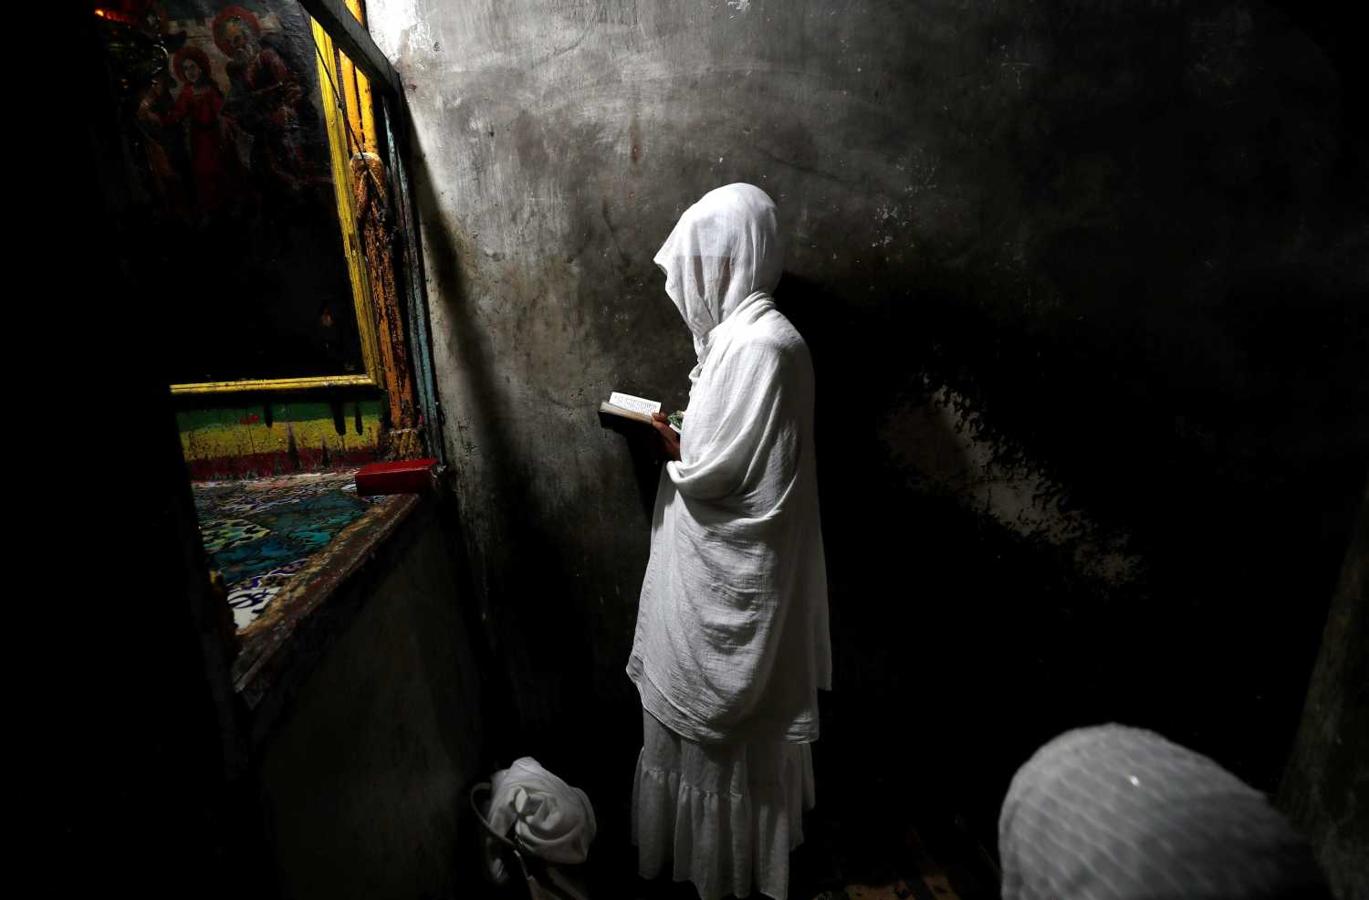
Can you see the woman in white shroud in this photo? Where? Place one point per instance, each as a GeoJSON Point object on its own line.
{"type": "Point", "coordinates": [732, 639]}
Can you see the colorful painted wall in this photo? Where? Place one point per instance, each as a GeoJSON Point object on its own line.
{"type": "Point", "coordinates": [277, 437]}
{"type": "Point", "coordinates": [224, 118]}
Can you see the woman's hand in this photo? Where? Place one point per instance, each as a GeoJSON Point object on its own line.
{"type": "Point", "coordinates": [670, 441]}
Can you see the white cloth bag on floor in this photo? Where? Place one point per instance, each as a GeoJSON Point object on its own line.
{"type": "Point", "coordinates": [550, 819]}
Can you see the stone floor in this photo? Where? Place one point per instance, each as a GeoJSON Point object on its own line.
{"type": "Point", "coordinates": [860, 857]}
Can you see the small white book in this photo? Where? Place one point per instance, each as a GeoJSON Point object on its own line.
{"type": "Point", "coordinates": [639, 409]}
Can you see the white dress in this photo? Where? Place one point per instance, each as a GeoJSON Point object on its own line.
{"type": "Point", "coordinates": [724, 816]}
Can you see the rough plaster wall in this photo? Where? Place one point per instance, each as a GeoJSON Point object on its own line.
{"type": "Point", "coordinates": [1081, 281]}
{"type": "Point", "coordinates": [1326, 786]}
{"type": "Point", "coordinates": [365, 780]}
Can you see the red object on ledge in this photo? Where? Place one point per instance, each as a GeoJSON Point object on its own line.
{"type": "Point", "coordinates": [407, 476]}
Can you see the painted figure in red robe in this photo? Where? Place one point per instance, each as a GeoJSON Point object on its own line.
{"type": "Point", "coordinates": [163, 150]}
{"type": "Point", "coordinates": [213, 157]}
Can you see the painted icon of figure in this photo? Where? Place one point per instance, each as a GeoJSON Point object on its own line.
{"type": "Point", "coordinates": [266, 98]}
{"type": "Point", "coordinates": [213, 159]}
{"type": "Point", "coordinates": [162, 149]}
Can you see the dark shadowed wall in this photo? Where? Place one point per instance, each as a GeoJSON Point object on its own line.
{"type": "Point", "coordinates": [364, 777]}
{"type": "Point", "coordinates": [1326, 785]}
{"type": "Point", "coordinates": [1084, 287]}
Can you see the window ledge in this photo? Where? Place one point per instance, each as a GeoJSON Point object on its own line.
{"type": "Point", "coordinates": [278, 650]}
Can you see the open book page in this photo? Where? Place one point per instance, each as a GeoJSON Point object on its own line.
{"type": "Point", "coordinates": [634, 404]}
{"type": "Point", "coordinates": [632, 407]}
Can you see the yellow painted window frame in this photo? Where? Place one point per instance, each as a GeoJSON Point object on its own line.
{"type": "Point", "coordinates": [357, 98]}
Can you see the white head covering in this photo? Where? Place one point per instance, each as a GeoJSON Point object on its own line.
{"type": "Point", "coordinates": [724, 249]}
{"type": "Point", "coordinates": [1118, 812]}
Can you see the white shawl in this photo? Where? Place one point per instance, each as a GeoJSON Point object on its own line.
{"type": "Point", "coordinates": [732, 636]}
